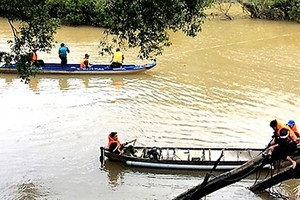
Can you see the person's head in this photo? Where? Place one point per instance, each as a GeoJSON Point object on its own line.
{"type": "Point", "coordinates": [117, 49]}
{"type": "Point", "coordinates": [62, 44]}
{"type": "Point", "coordinates": [273, 124]}
{"type": "Point", "coordinates": [114, 135]}
{"type": "Point", "coordinates": [34, 50]}
{"type": "Point", "coordinates": [86, 55]}
{"type": "Point", "coordinates": [291, 123]}
{"type": "Point", "coordinates": [284, 133]}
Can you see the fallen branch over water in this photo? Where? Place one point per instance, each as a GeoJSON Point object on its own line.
{"type": "Point", "coordinates": [287, 173]}
{"type": "Point", "coordinates": [224, 179]}
{"type": "Point", "coordinates": [235, 175]}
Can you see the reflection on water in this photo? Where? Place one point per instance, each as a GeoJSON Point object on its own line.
{"type": "Point", "coordinates": [24, 190]}
{"type": "Point", "coordinates": [118, 176]}
{"type": "Point", "coordinates": [114, 173]}
{"type": "Point", "coordinates": [117, 81]}
{"type": "Point", "coordinates": [33, 84]}
{"type": "Point", "coordinates": [64, 82]}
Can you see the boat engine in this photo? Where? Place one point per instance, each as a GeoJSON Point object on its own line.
{"type": "Point", "coordinates": [153, 154]}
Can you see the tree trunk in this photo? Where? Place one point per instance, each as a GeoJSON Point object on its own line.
{"type": "Point", "coordinates": [286, 174]}
{"type": "Point", "coordinates": [237, 174]}
{"type": "Point", "coordinates": [224, 179]}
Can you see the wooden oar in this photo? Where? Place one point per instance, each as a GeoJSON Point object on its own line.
{"type": "Point", "coordinates": [129, 142]}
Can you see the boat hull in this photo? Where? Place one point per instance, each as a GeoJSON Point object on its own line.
{"type": "Point", "coordinates": [74, 69]}
{"type": "Point", "coordinates": [186, 158]}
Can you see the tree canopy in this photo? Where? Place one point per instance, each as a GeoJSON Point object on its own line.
{"type": "Point", "coordinates": [35, 30]}
{"type": "Point", "coordinates": [139, 24]}
{"type": "Point", "coordinates": [273, 9]}
{"type": "Point", "coordinates": [144, 23]}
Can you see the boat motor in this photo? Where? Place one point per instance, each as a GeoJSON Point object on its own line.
{"type": "Point", "coordinates": [153, 154]}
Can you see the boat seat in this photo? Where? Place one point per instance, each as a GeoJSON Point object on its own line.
{"type": "Point", "coordinates": [195, 159]}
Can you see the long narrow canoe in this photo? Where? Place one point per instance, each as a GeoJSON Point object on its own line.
{"type": "Point", "coordinates": [57, 68]}
{"type": "Point", "coordinates": [182, 158]}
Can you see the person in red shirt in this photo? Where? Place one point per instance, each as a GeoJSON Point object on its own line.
{"type": "Point", "coordinates": [115, 146]}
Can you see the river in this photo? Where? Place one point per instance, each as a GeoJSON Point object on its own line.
{"type": "Point", "coordinates": [219, 89]}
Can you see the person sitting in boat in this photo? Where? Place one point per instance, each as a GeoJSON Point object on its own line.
{"type": "Point", "coordinates": [84, 63]}
{"type": "Point", "coordinates": [116, 147]}
{"type": "Point", "coordinates": [34, 57]}
{"type": "Point", "coordinates": [283, 146]}
{"type": "Point", "coordinates": [62, 53]}
{"type": "Point", "coordinates": [292, 125]}
{"type": "Point", "coordinates": [117, 59]}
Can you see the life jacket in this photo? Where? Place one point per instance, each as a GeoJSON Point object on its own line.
{"type": "Point", "coordinates": [84, 62]}
{"type": "Point", "coordinates": [118, 57]}
{"type": "Point", "coordinates": [111, 141]}
{"type": "Point", "coordinates": [295, 130]}
{"type": "Point", "coordinates": [281, 125]}
{"type": "Point", "coordinates": [286, 138]}
{"type": "Point", "coordinates": [34, 56]}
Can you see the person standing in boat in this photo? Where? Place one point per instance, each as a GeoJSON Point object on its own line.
{"type": "Point", "coordinates": [117, 59]}
{"type": "Point", "coordinates": [115, 146]}
{"type": "Point", "coordinates": [84, 63]}
{"type": "Point", "coordinates": [62, 53]}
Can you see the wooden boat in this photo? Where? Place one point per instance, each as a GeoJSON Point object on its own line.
{"type": "Point", "coordinates": [57, 68]}
{"type": "Point", "coordinates": [182, 158]}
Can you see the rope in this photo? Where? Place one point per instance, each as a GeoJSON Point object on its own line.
{"type": "Point", "coordinates": [275, 193]}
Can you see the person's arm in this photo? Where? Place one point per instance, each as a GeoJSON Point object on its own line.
{"type": "Point", "coordinates": [271, 148]}
{"type": "Point", "coordinates": [68, 50]}
{"type": "Point", "coordinates": [114, 148]}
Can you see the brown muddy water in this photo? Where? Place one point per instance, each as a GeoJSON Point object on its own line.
{"type": "Point", "coordinates": [220, 89]}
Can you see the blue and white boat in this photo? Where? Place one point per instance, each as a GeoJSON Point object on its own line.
{"type": "Point", "coordinates": [94, 69]}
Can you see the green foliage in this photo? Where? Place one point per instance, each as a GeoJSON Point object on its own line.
{"type": "Point", "coordinates": [294, 12]}
{"type": "Point", "coordinates": [273, 9]}
{"type": "Point", "coordinates": [144, 23]}
{"type": "Point", "coordinates": [35, 31]}
{"type": "Point", "coordinates": [79, 12]}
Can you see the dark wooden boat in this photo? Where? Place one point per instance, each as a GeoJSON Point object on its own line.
{"type": "Point", "coordinates": [95, 69]}
{"type": "Point", "coordinates": [182, 158]}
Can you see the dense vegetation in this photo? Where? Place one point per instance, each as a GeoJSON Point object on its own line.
{"type": "Point", "coordinates": [133, 23]}
{"type": "Point", "coordinates": [273, 9]}
{"type": "Point", "coordinates": [78, 12]}
{"type": "Point", "coordinates": [36, 31]}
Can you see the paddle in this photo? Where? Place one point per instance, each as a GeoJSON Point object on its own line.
{"type": "Point", "coordinates": [129, 142]}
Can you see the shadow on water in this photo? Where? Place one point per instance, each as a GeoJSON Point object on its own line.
{"type": "Point", "coordinates": [65, 82]}
{"type": "Point", "coordinates": [117, 170]}
{"type": "Point", "coordinates": [117, 173]}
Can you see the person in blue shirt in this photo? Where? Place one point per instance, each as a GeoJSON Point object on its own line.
{"type": "Point", "coordinates": [62, 53]}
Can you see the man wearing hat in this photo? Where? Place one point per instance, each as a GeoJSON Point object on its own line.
{"type": "Point", "coordinates": [292, 125]}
